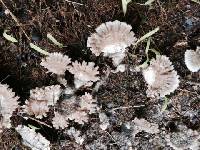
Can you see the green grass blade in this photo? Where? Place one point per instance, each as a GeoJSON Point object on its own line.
{"type": "Point", "coordinates": [52, 39]}
{"type": "Point", "coordinates": [9, 37]}
{"type": "Point", "coordinates": [33, 127]}
{"type": "Point", "coordinates": [124, 5]}
{"type": "Point", "coordinates": [148, 35]}
{"type": "Point", "coordinates": [149, 2]}
{"type": "Point", "coordinates": [165, 104]}
{"type": "Point", "coordinates": [33, 46]}
{"type": "Point", "coordinates": [196, 1]}
{"type": "Point", "coordinates": [148, 45]}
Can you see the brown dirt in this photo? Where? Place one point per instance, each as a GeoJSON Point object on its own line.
{"type": "Point", "coordinates": [71, 24]}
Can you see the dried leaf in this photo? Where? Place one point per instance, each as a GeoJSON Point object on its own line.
{"type": "Point", "coordinates": [52, 39]}
{"type": "Point", "coordinates": [33, 46]}
{"type": "Point", "coordinates": [9, 37]}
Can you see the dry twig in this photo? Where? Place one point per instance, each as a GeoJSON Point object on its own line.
{"type": "Point", "coordinates": [15, 19]}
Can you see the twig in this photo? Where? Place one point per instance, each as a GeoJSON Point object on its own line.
{"type": "Point", "coordinates": [74, 2]}
{"type": "Point", "coordinates": [40, 122]}
{"type": "Point", "coordinates": [163, 12]}
{"type": "Point", "coordinates": [15, 19]}
{"type": "Point", "coordinates": [25, 117]}
{"type": "Point", "coordinates": [5, 78]}
{"type": "Point", "coordinates": [115, 142]}
{"type": "Point", "coordinates": [118, 108]}
{"type": "Point", "coordinates": [185, 90]}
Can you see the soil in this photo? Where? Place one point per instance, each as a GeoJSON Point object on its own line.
{"type": "Point", "coordinates": [71, 24]}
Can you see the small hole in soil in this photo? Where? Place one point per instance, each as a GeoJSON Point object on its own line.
{"type": "Point", "coordinates": [69, 77]}
{"type": "Point", "coordinates": [117, 128]}
{"type": "Point", "coordinates": [77, 52]}
{"type": "Point", "coordinates": [36, 35]}
{"type": "Point", "coordinates": [171, 126]}
{"type": "Point", "coordinates": [82, 91]}
{"type": "Point", "coordinates": [140, 112]}
{"type": "Point", "coordinates": [1, 12]}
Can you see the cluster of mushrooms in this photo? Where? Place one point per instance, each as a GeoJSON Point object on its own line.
{"type": "Point", "coordinates": [110, 39]}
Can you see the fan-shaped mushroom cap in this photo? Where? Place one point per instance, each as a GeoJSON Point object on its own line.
{"type": "Point", "coordinates": [112, 38]}
{"type": "Point", "coordinates": [84, 73]}
{"type": "Point", "coordinates": [192, 59]}
{"type": "Point", "coordinates": [56, 63]}
{"type": "Point", "coordinates": [161, 77]}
